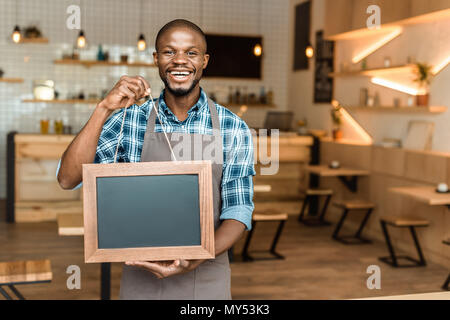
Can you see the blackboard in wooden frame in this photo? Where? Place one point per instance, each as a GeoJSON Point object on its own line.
{"type": "Point", "coordinates": [148, 211]}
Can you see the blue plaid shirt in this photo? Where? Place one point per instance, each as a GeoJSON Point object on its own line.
{"type": "Point", "coordinates": [238, 168]}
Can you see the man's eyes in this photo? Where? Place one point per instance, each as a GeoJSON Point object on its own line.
{"type": "Point", "coordinates": [172, 52]}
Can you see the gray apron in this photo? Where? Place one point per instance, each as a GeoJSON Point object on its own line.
{"type": "Point", "coordinates": [212, 279]}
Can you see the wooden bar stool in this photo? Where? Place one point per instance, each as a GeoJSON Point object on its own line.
{"type": "Point", "coordinates": [353, 206]}
{"type": "Point", "coordinates": [309, 195]}
{"type": "Point", "coordinates": [446, 285]}
{"type": "Point", "coordinates": [23, 272]}
{"type": "Point", "coordinates": [265, 217]}
{"type": "Point", "coordinates": [410, 223]}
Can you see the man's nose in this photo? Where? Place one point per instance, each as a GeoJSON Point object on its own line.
{"type": "Point", "coordinates": [180, 58]}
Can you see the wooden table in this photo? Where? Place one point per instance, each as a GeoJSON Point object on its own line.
{"type": "Point", "coordinates": [348, 176]}
{"type": "Point", "coordinates": [428, 195]}
{"type": "Point", "coordinates": [72, 225]}
{"type": "Point", "coordinates": [425, 194]}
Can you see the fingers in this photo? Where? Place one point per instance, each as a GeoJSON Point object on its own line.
{"type": "Point", "coordinates": [161, 269]}
{"type": "Point", "coordinates": [140, 85]}
{"type": "Point", "coordinates": [137, 84]}
{"type": "Point", "coordinates": [130, 95]}
{"type": "Point", "coordinates": [146, 85]}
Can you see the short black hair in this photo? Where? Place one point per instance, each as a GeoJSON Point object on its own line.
{"type": "Point", "coordinates": [180, 23]}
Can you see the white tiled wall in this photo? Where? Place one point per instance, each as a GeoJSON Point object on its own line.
{"type": "Point", "coordinates": [115, 24]}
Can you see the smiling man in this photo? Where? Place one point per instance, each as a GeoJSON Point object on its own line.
{"type": "Point", "coordinates": [184, 109]}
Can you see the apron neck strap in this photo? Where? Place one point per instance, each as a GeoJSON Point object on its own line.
{"type": "Point", "coordinates": [212, 109]}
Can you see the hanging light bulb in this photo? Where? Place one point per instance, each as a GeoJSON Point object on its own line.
{"type": "Point", "coordinates": [309, 51]}
{"type": "Point", "coordinates": [257, 50]}
{"type": "Point", "coordinates": [16, 36]}
{"type": "Point", "coordinates": [81, 41]}
{"type": "Point", "coordinates": [141, 42]}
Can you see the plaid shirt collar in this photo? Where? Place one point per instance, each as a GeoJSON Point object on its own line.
{"type": "Point", "coordinates": [165, 111]}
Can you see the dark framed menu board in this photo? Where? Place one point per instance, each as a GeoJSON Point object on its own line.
{"type": "Point", "coordinates": [324, 64]}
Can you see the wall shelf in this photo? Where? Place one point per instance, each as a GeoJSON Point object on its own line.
{"type": "Point", "coordinates": [12, 80]}
{"type": "Point", "coordinates": [90, 63]}
{"type": "Point", "coordinates": [63, 101]}
{"type": "Point", "coordinates": [34, 40]}
{"type": "Point", "coordinates": [430, 109]}
{"type": "Point", "coordinates": [389, 27]}
{"type": "Point", "coordinates": [408, 68]}
{"type": "Point", "coordinates": [250, 105]}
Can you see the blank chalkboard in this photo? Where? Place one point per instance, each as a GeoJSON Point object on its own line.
{"type": "Point", "coordinates": [148, 211]}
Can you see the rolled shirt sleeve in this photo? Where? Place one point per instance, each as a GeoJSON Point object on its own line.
{"type": "Point", "coordinates": [237, 180]}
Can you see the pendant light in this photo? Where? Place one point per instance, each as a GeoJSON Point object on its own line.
{"type": "Point", "coordinates": [257, 49]}
{"type": "Point", "coordinates": [309, 51]}
{"type": "Point", "coordinates": [81, 40]}
{"type": "Point", "coordinates": [16, 36]}
{"type": "Point", "coordinates": [141, 40]}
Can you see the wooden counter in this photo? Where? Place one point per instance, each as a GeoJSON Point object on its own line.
{"type": "Point", "coordinates": [33, 191]}
{"type": "Point", "coordinates": [289, 166]}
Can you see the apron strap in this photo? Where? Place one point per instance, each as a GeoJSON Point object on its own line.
{"type": "Point", "coordinates": [212, 109]}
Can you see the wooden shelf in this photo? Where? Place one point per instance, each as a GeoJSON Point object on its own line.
{"type": "Point", "coordinates": [431, 109]}
{"type": "Point", "coordinates": [90, 63]}
{"type": "Point", "coordinates": [408, 68]}
{"type": "Point", "coordinates": [250, 105]}
{"type": "Point", "coordinates": [63, 101]}
{"type": "Point", "coordinates": [11, 80]}
{"type": "Point", "coordinates": [389, 27]}
{"type": "Point", "coordinates": [33, 40]}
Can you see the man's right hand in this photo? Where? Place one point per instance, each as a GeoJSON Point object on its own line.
{"type": "Point", "coordinates": [126, 92]}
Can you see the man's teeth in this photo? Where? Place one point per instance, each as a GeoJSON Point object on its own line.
{"type": "Point", "coordinates": [178, 73]}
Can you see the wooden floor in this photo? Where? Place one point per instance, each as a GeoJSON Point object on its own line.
{"type": "Point", "coordinates": [315, 267]}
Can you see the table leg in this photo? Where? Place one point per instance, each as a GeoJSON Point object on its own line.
{"type": "Point", "coordinates": [350, 182]}
{"type": "Point", "coordinates": [105, 285]}
{"type": "Point", "coordinates": [314, 183]}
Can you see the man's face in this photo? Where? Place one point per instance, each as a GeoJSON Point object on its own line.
{"type": "Point", "coordinates": [181, 59]}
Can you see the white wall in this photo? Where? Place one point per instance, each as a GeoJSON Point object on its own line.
{"type": "Point", "coordinates": [301, 99]}
{"type": "Point", "coordinates": [115, 23]}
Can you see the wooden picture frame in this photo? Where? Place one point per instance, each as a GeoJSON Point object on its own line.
{"type": "Point", "coordinates": [91, 173]}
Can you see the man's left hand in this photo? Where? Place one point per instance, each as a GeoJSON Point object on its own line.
{"type": "Point", "coordinates": [164, 269]}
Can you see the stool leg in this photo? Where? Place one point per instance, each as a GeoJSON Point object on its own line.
{"type": "Point", "coordinates": [16, 292]}
{"type": "Point", "coordinates": [340, 223]}
{"type": "Point", "coordinates": [5, 294]}
{"type": "Point", "coordinates": [363, 223]}
{"type": "Point", "coordinates": [245, 255]}
{"type": "Point", "coordinates": [302, 212]}
{"type": "Point", "coordinates": [277, 237]}
{"type": "Point", "coordinates": [445, 286]}
{"type": "Point", "coordinates": [422, 261]}
{"type": "Point", "coordinates": [324, 209]}
{"type": "Point", "coordinates": [389, 244]}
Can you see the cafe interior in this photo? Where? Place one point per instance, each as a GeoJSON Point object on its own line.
{"type": "Point", "coordinates": [351, 190]}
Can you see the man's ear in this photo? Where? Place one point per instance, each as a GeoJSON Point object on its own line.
{"type": "Point", "coordinates": [205, 60]}
{"type": "Point", "coordinates": [155, 58]}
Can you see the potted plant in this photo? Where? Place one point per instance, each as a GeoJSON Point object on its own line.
{"type": "Point", "coordinates": [336, 119]}
{"type": "Point", "coordinates": [423, 77]}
